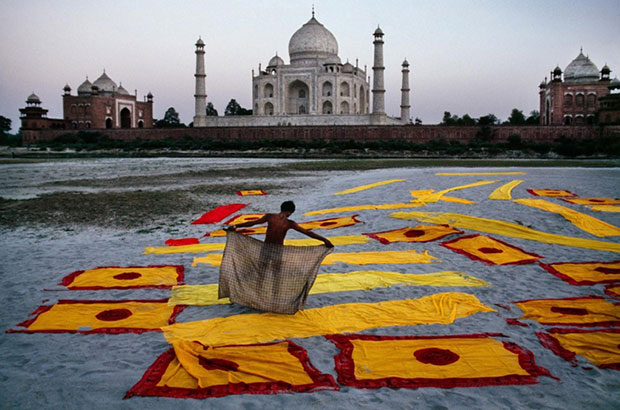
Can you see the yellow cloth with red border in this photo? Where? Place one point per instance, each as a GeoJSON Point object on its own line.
{"type": "Point", "coordinates": [581, 311]}
{"type": "Point", "coordinates": [331, 223]}
{"type": "Point", "coordinates": [420, 233]}
{"type": "Point", "coordinates": [368, 186]}
{"type": "Point", "coordinates": [126, 277]}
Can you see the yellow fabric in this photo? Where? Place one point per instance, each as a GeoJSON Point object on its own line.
{"type": "Point", "coordinates": [613, 289]}
{"type": "Point", "coordinates": [503, 193]}
{"type": "Point", "coordinates": [605, 208]}
{"type": "Point", "coordinates": [239, 219]}
{"type": "Point", "coordinates": [256, 364]}
{"type": "Point", "coordinates": [426, 192]}
{"type": "Point", "coordinates": [104, 277]}
{"type": "Point", "coordinates": [251, 192]}
{"type": "Point", "coordinates": [588, 271]}
{"type": "Point", "coordinates": [599, 348]}
{"type": "Point", "coordinates": [72, 316]}
{"type": "Point", "coordinates": [582, 221]}
{"type": "Point", "coordinates": [598, 310]}
{"type": "Point", "coordinates": [505, 228]}
{"type": "Point", "coordinates": [209, 247]}
{"type": "Point", "coordinates": [478, 357]}
{"type": "Point", "coordinates": [369, 186]}
{"type": "Point", "coordinates": [553, 193]}
{"type": "Point", "coordinates": [353, 258]}
{"type": "Point", "coordinates": [204, 295]}
{"type": "Point", "coordinates": [420, 233]}
{"type": "Point", "coordinates": [436, 196]}
{"type": "Point", "coordinates": [176, 376]}
{"type": "Point", "coordinates": [331, 223]}
{"type": "Point", "coordinates": [442, 308]}
{"type": "Point", "coordinates": [364, 208]}
{"type": "Point", "coordinates": [502, 254]}
{"type": "Point", "coordinates": [481, 173]}
{"type": "Point", "coordinates": [593, 201]}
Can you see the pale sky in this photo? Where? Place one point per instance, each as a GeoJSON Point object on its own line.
{"type": "Point", "coordinates": [475, 57]}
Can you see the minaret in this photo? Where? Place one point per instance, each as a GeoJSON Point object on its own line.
{"type": "Point", "coordinates": [200, 118]}
{"type": "Point", "coordinates": [378, 92]}
{"type": "Point", "coordinates": [404, 98]}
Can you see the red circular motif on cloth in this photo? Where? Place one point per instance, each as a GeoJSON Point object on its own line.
{"type": "Point", "coordinates": [414, 233]}
{"type": "Point", "coordinates": [217, 364]}
{"type": "Point", "coordinates": [490, 250]}
{"type": "Point", "coordinates": [608, 271]}
{"type": "Point", "coordinates": [328, 223]}
{"type": "Point", "coordinates": [597, 200]}
{"type": "Point", "coordinates": [438, 357]}
{"type": "Point", "coordinates": [127, 276]}
{"type": "Point", "coordinates": [113, 315]}
{"type": "Point", "coordinates": [569, 310]}
{"type": "Point", "coordinates": [253, 218]}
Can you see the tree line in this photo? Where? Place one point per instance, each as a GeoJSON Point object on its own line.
{"type": "Point", "coordinates": [516, 118]}
{"type": "Point", "coordinates": [171, 116]}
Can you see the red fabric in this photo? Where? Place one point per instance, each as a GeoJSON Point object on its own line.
{"type": "Point", "coordinates": [551, 343]}
{"type": "Point", "coordinates": [345, 367]}
{"type": "Point", "coordinates": [446, 244]}
{"type": "Point", "coordinates": [182, 241]}
{"type": "Point", "coordinates": [572, 281]}
{"type": "Point", "coordinates": [68, 280]}
{"type": "Point", "coordinates": [147, 386]}
{"type": "Point", "coordinates": [219, 213]}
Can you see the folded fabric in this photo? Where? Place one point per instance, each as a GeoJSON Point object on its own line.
{"type": "Point", "coordinates": [553, 193]}
{"type": "Point", "coordinates": [480, 173]}
{"type": "Point", "coordinates": [239, 219]}
{"type": "Point", "coordinates": [592, 201]}
{"type": "Point", "coordinates": [613, 291]}
{"type": "Point", "coordinates": [436, 196]}
{"type": "Point", "coordinates": [205, 295]}
{"type": "Point", "coordinates": [585, 273]}
{"type": "Point", "coordinates": [490, 250]}
{"type": "Point", "coordinates": [504, 193]}
{"type": "Point", "coordinates": [250, 192]}
{"type": "Point", "coordinates": [331, 223]}
{"type": "Point", "coordinates": [101, 316]}
{"type": "Point", "coordinates": [599, 347]}
{"type": "Point", "coordinates": [196, 248]}
{"type": "Point", "coordinates": [353, 258]}
{"type": "Point", "coordinates": [268, 276]}
{"type": "Point", "coordinates": [579, 311]}
{"type": "Point", "coordinates": [219, 213]}
{"type": "Point", "coordinates": [125, 277]}
{"type": "Point", "coordinates": [440, 308]}
{"type": "Point", "coordinates": [420, 233]}
{"type": "Point", "coordinates": [582, 221]}
{"type": "Point", "coordinates": [426, 193]}
{"type": "Point", "coordinates": [505, 228]}
{"type": "Point", "coordinates": [365, 208]}
{"type": "Point", "coordinates": [182, 241]}
{"type": "Point", "coordinates": [368, 186]}
{"type": "Point", "coordinates": [371, 362]}
{"type": "Point", "coordinates": [191, 370]}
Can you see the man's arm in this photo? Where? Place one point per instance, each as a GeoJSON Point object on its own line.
{"type": "Point", "coordinates": [247, 224]}
{"type": "Point", "coordinates": [311, 234]}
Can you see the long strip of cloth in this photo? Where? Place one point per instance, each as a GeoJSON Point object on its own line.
{"type": "Point", "coordinates": [205, 295]}
{"type": "Point", "coordinates": [479, 173]}
{"type": "Point", "coordinates": [504, 192]}
{"type": "Point", "coordinates": [368, 186]}
{"type": "Point", "coordinates": [365, 208]}
{"type": "Point", "coordinates": [582, 221]}
{"type": "Point", "coordinates": [441, 308]}
{"type": "Point", "coordinates": [267, 276]}
{"type": "Point", "coordinates": [331, 223]}
{"type": "Point", "coordinates": [436, 196]}
{"type": "Point", "coordinates": [505, 228]}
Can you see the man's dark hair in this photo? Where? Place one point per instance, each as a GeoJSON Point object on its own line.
{"type": "Point", "coordinates": [287, 206]}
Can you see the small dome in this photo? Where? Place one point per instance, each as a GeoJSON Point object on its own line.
{"type": "Point", "coordinates": [33, 99]}
{"type": "Point", "coordinates": [332, 60]}
{"type": "Point", "coordinates": [347, 67]}
{"type": "Point", "coordinates": [312, 41]}
{"type": "Point", "coordinates": [275, 61]}
{"type": "Point", "coordinates": [200, 43]}
{"type": "Point", "coordinates": [378, 31]}
{"type": "Point", "coordinates": [405, 63]}
{"type": "Point", "coordinates": [149, 95]}
{"type": "Point", "coordinates": [85, 87]}
{"type": "Point", "coordinates": [121, 90]}
{"type": "Point", "coordinates": [615, 83]}
{"type": "Point", "coordinates": [557, 70]}
{"type": "Point", "coordinates": [581, 69]}
{"type": "Point", "coordinates": [605, 69]}
{"type": "Point", "coordinates": [542, 84]}
{"type": "Point", "coordinates": [66, 88]}
{"type": "Point", "coordinates": [105, 83]}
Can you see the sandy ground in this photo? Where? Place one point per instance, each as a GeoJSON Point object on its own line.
{"type": "Point", "coordinates": [55, 232]}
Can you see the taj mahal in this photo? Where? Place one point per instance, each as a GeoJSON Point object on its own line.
{"type": "Point", "coordinates": [315, 88]}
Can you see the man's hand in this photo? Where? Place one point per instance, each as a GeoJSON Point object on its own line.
{"type": "Point", "coordinates": [231, 228]}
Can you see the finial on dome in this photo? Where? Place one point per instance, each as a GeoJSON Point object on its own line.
{"type": "Point", "coordinates": [312, 10]}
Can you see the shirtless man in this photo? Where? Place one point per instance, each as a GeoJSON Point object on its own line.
{"type": "Point", "coordinates": [279, 224]}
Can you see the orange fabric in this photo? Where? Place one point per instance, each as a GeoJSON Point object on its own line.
{"type": "Point", "coordinates": [490, 250]}
{"type": "Point", "coordinates": [585, 311]}
{"type": "Point", "coordinates": [586, 273]}
{"type": "Point", "coordinates": [117, 277]}
{"type": "Point", "coordinates": [331, 223]}
{"type": "Point", "coordinates": [553, 193]}
{"type": "Point", "coordinates": [420, 233]}
{"type": "Point", "coordinates": [593, 201]}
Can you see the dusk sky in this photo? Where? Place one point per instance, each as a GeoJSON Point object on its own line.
{"type": "Point", "coordinates": [474, 57]}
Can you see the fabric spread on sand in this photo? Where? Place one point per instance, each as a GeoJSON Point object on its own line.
{"type": "Point", "coordinates": [219, 213]}
{"type": "Point", "coordinates": [101, 316]}
{"type": "Point", "coordinates": [553, 193]}
{"type": "Point", "coordinates": [368, 186]}
{"type": "Point", "coordinates": [490, 250]}
{"type": "Point", "coordinates": [579, 311]}
{"type": "Point", "coordinates": [205, 295]}
{"type": "Point", "coordinates": [613, 291]}
{"type": "Point", "coordinates": [582, 221]}
{"type": "Point", "coordinates": [440, 308]}
{"type": "Point", "coordinates": [605, 208]}
{"type": "Point", "coordinates": [210, 247]}
{"type": "Point", "coordinates": [480, 173]}
{"type": "Point", "coordinates": [331, 223]}
{"type": "Point", "coordinates": [369, 361]}
{"type": "Point", "coordinates": [585, 273]}
{"type": "Point", "coordinates": [364, 208]}
{"type": "Point", "coordinates": [191, 370]}
{"type": "Point", "coordinates": [267, 276]}
{"type": "Point", "coordinates": [182, 241]}
{"type": "Point", "coordinates": [505, 228]}
{"type": "Point", "coordinates": [504, 193]}
{"type": "Point", "coordinates": [599, 347]}
{"type": "Point", "coordinates": [427, 192]}
{"type": "Point", "coordinates": [125, 277]}
{"type": "Point", "coordinates": [353, 258]}
{"type": "Point", "coordinates": [436, 196]}
{"type": "Point", "coordinates": [420, 233]}
{"type": "Point", "coordinates": [592, 201]}
{"type": "Point", "coordinates": [250, 192]}
{"type": "Point", "coordinates": [239, 219]}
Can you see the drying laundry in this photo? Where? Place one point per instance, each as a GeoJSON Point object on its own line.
{"type": "Point", "coordinates": [436, 196]}
{"type": "Point", "coordinates": [420, 233]}
{"type": "Point", "coordinates": [479, 173]}
{"type": "Point", "coordinates": [578, 311]}
{"type": "Point", "coordinates": [599, 347]}
{"type": "Point", "coordinates": [504, 193]}
{"type": "Point", "coordinates": [368, 186]}
{"type": "Point", "coordinates": [365, 208]}
{"type": "Point", "coordinates": [127, 277]}
{"type": "Point", "coordinates": [219, 213]}
{"type": "Point", "coordinates": [585, 273]}
{"type": "Point", "coordinates": [490, 250]}
{"type": "Point", "coordinates": [250, 192]}
{"type": "Point", "coordinates": [331, 223]}
{"type": "Point", "coordinates": [553, 193]}
{"type": "Point", "coordinates": [182, 241]}
{"type": "Point", "coordinates": [592, 201]}
{"type": "Point", "coordinates": [239, 219]}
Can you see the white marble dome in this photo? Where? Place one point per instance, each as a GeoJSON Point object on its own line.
{"type": "Point", "coordinates": [85, 87]}
{"type": "Point", "coordinates": [312, 41]}
{"type": "Point", "coordinates": [275, 61]}
{"type": "Point", "coordinates": [105, 83]}
{"type": "Point", "coordinates": [581, 69]}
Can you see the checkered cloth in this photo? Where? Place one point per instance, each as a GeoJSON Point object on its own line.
{"type": "Point", "coordinates": [266, 276]}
